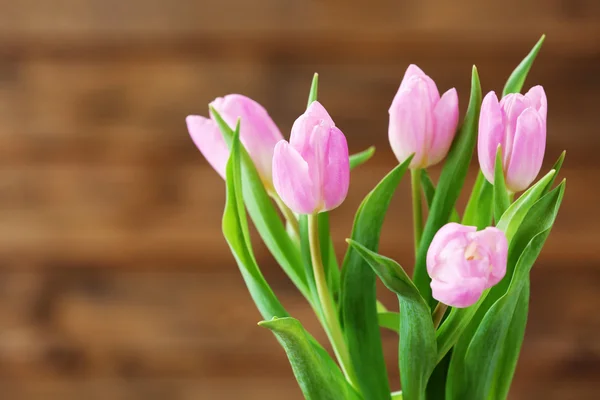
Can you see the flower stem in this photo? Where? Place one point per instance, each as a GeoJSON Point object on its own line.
{"type": "Point", "coordinates": [415, 180]}
{"type": "Point", "coordinates": [397, 395]}
{"type": "Point", "coordinates": [288, 215]}
{"type": "Point", "coordinates": [438, 314]}
{"type": "Point", "coordinates": [332, 323]}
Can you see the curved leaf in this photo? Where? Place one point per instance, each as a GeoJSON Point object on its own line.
{"type": "Point", "coordinates": [429, 191]}
{"type": "Point", "coordinates": [235, 230]}
{"type": "Point", "coordinates": [317, 374]}
{"type": "Point", "coordinates": [265, 216]}
{"type": "Point", "coordinates": [418, 351]}
{"type": "Point", "coordinates": [449, 185]}
{"type": "Point", "coordinates": [389, 320]}
{"type": "Point", "coordinates": [358, 300]}
{"type": "Point", "coordinates": [516, 80]}
{"type": "Point", "coordinates": [359, 159]}
{"type": "Point", "coordinates": [479, 207]}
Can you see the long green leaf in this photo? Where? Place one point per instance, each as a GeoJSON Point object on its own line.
{"type": "Point", "coordinates": [359, 159]}
{"type": "Point", "coordinates": [314, 90]}
{"type": "Point", "coordinates": [417, 351]}
{"type": "Point", "coordinates": [557, 166]}
{"type": "Point", "coordinates": [235, 230]}
{"type": "Point", "coordinates": [515, 82]}
{"type": "Point", "coordinates": [358, 300]}
{"type": "Point", "coordinates": [475, 362]}
{"type": "Point", "coordinates": [429, 190]}
{"type": "Point", "coordinates": [318, 376]}
{"type": "Point", "coordinates": [449, 186]}
{"type": "Point", "coordinates": [389, 320]}
{"type": "Point", "coordinates": [501, 200]}
{"type": "Point", "coordinates": [479, 207]}
{"type": "Point", "coordinates": [265, 216]}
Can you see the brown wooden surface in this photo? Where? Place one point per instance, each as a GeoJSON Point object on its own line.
{"type": "Point", "coordinates": [115, 282]}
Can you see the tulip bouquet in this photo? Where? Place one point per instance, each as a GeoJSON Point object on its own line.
{"type": "Point", "coordinates": [462, 316]}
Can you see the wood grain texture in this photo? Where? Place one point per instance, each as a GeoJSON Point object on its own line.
{"type": "Point", "coordinates": [115, 281]}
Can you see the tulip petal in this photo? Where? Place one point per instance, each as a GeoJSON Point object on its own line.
{"type": "Point", "coordinates": [207, 137]}
{"type": "Point", "coordinates": [445, 115]}
{"type": "Point", "coordinates": [513, 105]}
{"type": "Point", "coordinates": [336, 170]}
{"type": "Point", "coordinates": [528, 153]}
{"type": "Point", "coordinates": [491, 134]}
{"type": "Point", "coordinates": [537, 95]}
{"type": "Point", "coordinates": [451, 232]}
{"type": "Point", "coordinates": [495, 241]}
{"type": "Point", "coordinates": [411, 121]}
{"type": "Point", "coordinates": [459, 296]}
{"type": "Point", "coordinates": [258, 132]}
{"type": "Point", "coordinates": [414, 71]}
{"type": "Point", "coordinates": [292, 180]}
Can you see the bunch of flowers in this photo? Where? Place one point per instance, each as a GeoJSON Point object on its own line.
{"type": "Point", "coordinates": [463, 314]}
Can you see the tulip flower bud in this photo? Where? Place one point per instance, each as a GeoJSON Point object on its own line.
{"type": "Point", "coordinates": [518, 124]}
{"type": "Point", "coordinates": [420, 121]}
{"type": "Point", "coordinates": [462, 263]}
{"type": "Point", "coordinates": [311, 173]}
{"type": "Point", "coordinates": [258, 134]}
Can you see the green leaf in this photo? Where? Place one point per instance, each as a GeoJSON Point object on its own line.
{"type": "Point", "coordinates": [501, 199]}
{"type": "Point", "coordinates": [317, 374]}
{"type": "Point", "coordinates": [514, 215]}
{"type": "Point", "coordinates": [265, 216]}
{"type": "Point", "coordinates": [359, 159]}
{"type": "Point", "coordinates": [358, 300]}
{"type": "Point", "coordinates": [235, 230]}
{"type": "Point", "coordinates": [515, 82]}
{"type": "Point", "coordinates": [389, 320]}
{"type": "Point", "coordinates": [449, 186]}
{"type": "Point", "coordinates": [314, 89]}
{"type": "Point", "coordinates": [478, 355]}
{"type": "Point", "coordinates": [557, 166]}
{"type": "Point", "coordinates": [479, 207]}
{"type": "Point", "coordinates": [514, 340]}
{"type": "Point", "coordinates": [417, 351]}
{"type": "Point", "coordinates": [429, 190]}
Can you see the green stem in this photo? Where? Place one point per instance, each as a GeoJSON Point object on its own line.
{"type": "Point", "coordinates": [397, 395]}
{"type": "Point", "coordinates": [332, 323]}
{"type": "Point", "coordinates": [288, 215]}
{"type": "Point", "coordinates": [415, 180]}
{"type": "Point", "coordinates": [438, 314]}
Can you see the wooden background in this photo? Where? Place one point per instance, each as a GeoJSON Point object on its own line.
{"type": "Point", "coordinates": [115, 282]}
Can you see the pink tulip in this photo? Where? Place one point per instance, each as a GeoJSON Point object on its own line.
{"type": "Point", "coordinates": [258, 134]}
{"type": "Point", "coordinates": [462, 263]}
{"type": "Point", "coordinates": [420, 121]}
{"type": "Point", "coordinates": [311, 173]}
{"type": "Point", "coordinates": [518, 124]}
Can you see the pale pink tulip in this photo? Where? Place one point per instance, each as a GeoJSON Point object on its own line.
{"type": "Point", "coordinates": [311, 173]}
{"type": "Point", "coordinates": [518, 124]}
{"type": "Point", "coordinates": [462, 263]}
{"type": "Point", "coordinates": [258, 134]}
{"type": "Point", "coordinates": [420, 121]}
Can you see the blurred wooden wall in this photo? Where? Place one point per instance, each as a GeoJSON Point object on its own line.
{"type": "Point", "coordinates": [115, 281]}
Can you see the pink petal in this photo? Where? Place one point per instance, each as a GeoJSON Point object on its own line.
{"type": "Point", "coordinates": [414, 71]}
{"type": "Point", "coordinates": [528, 151]}
{"type": "Point", "coordinates": [495, 242]}
{"type": "Point", "coordinates": [537, 95]}
{"type": "Point", "coordinates": [411, 122]}
{"type": "Point", "coordinates": [460, 295]}
{"type": "Point", "coordinates": [513, 105]}
{"type": "Point", "coordinates": [292, 181]}
{"type": "Point", "coordinates": [258, 132]}
{"type": "Point", "coordinates": [336, 170]}
{"type": "Point", "coordinates": [208, 138]}
{"type": "Point", "coordinates": [491, 134]}
{"type": "Point", "coordinates": [451, 232]}
{"type": "Point", "coordinates": [445, 115]}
